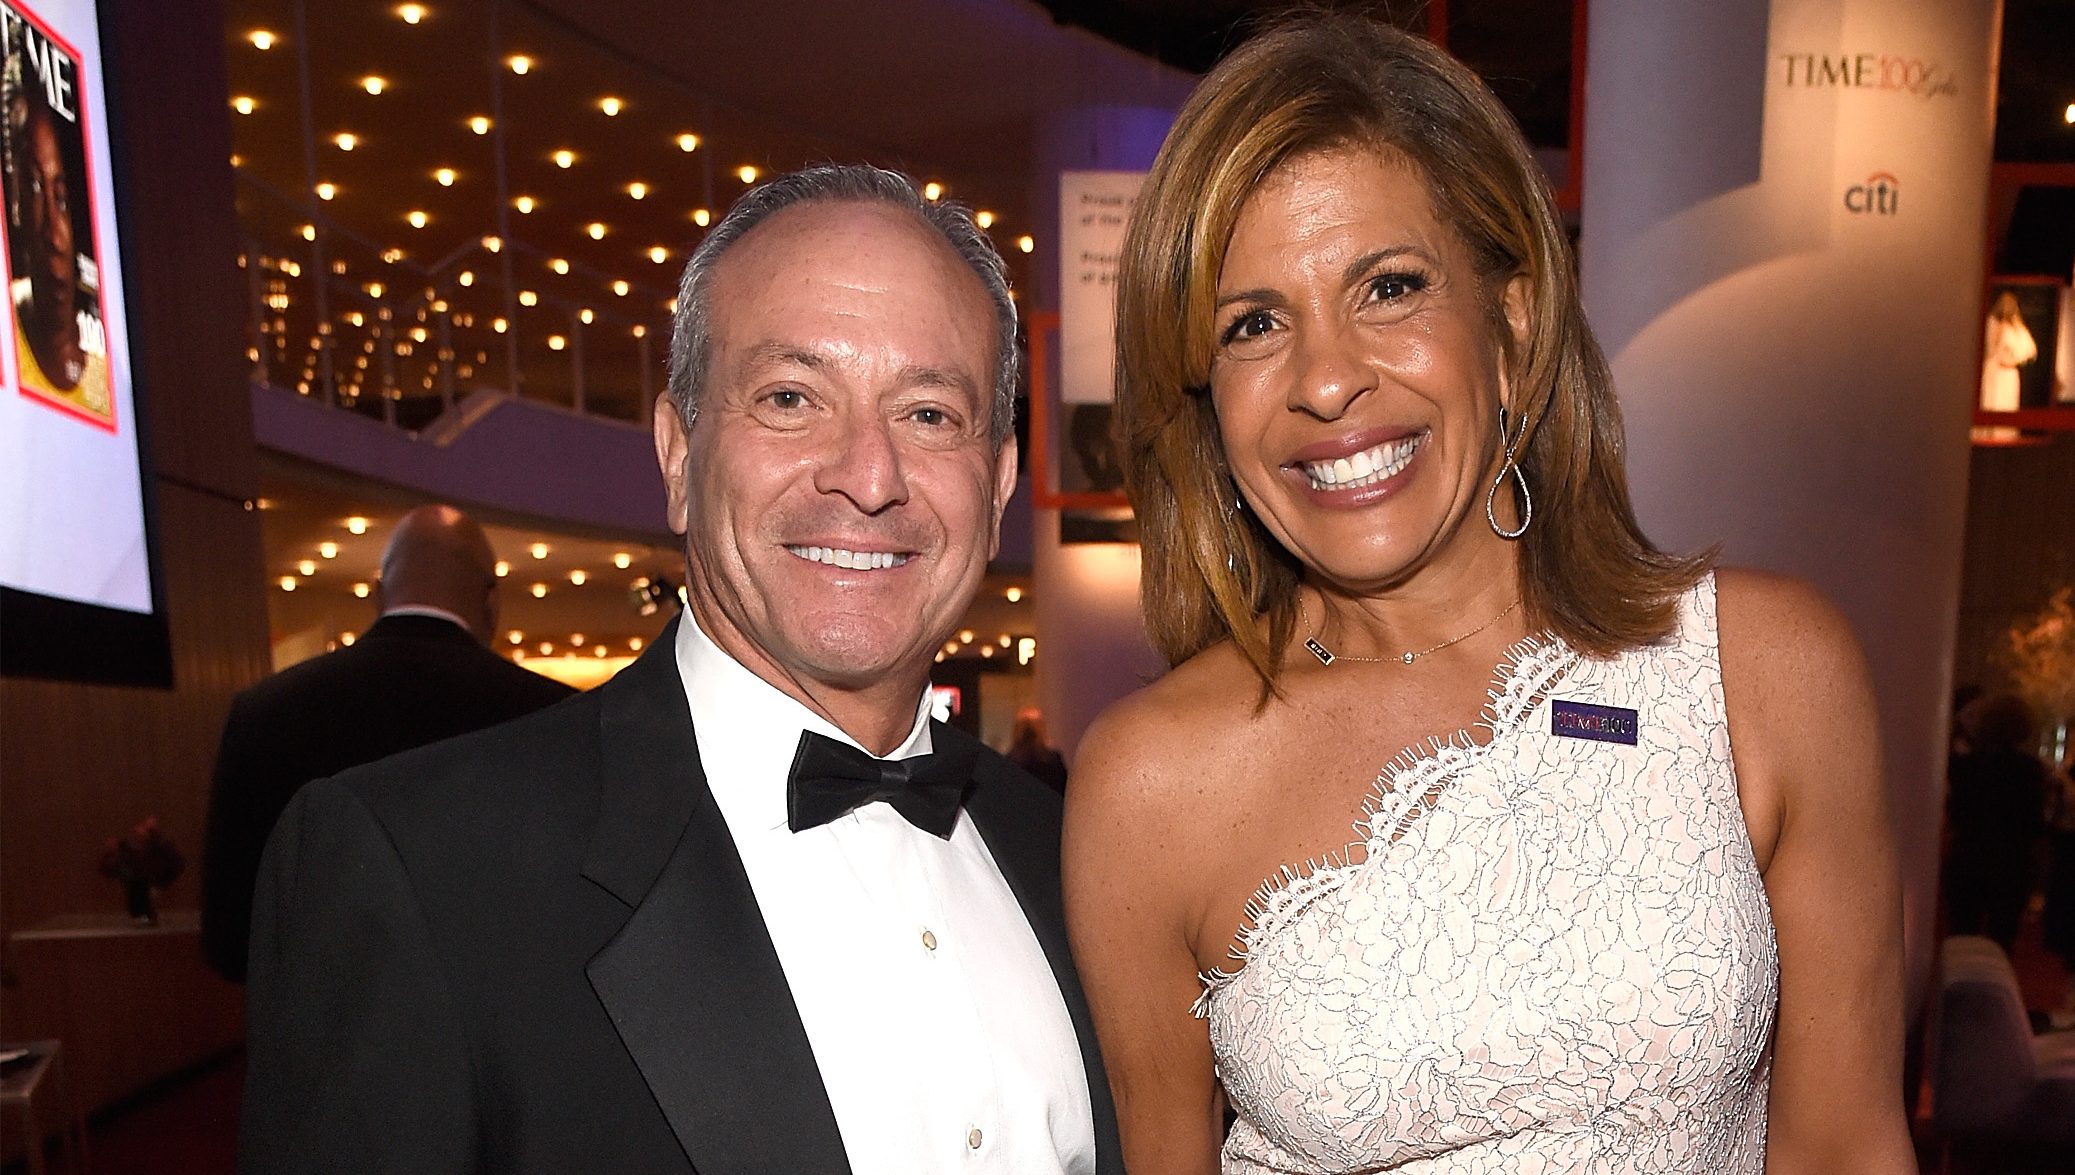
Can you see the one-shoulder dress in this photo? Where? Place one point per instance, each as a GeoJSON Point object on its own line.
{"type": "Point", "coordinates": [1547, 949]}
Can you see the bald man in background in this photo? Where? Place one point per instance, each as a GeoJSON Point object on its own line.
{"type": "Point", "coordinates": [420, 674]}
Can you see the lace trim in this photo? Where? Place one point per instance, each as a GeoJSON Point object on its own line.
{"type": "Point", "coordinates": [1408, 787]}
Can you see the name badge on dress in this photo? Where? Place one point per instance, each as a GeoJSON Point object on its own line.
{"type": "Point", "coordinates": [1606, 724]}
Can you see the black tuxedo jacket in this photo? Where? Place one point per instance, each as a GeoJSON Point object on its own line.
{"type": "Point", "coordinates": [534, 949]}
{"type": "Point", "coordinates": [408, 681]}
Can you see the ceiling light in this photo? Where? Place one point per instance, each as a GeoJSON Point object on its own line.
{"type": "Point", "coordinates": [411, 13]}
{"type": "Point", "coordinates": [260, 38]}
{"type": "Point", "coordinates": [2068, 115]}
{"type": "Point", "coordinates": [546, 647]}
{"type": "Point", "coordinates": [1013, 594]}
{"type": "Point", "coordinates": [1027, 243]}
{"type": "Point", "coordinates": [596, 230]}
{"type": "Point", "coordinates": [417, 218]}
{"type": "Point", "coordinates": [746, 174]}
{"type": "Point", "coordinates": [598, 650]}
{"type": "Point", "coordinates": [701, 217]}
{"type": "Point", "coordinates": [479, 125]}
{"type": "Point", "coordinates": [610, 105]}
{"type": "Point", "coordinates": [932, 191]}
{"type": "Point", "coordinates": [243, 104]}
{"type": "Point", "coordinates": [374, 84]}
{"type": "Point", "coordinates": [307, 567]}
{"type": "Point", "coordinates": [361, 590]}
{"type": "Point", "coordinates": [288, 583]}
{"type": "Point", "coordinates": [688, 142]}
{"type": "Point", "coordinates": [326, 191]}
{"type": "Point", "coordinates": [1003, 640]}
{"type": "Point", "coordinates": [638, 190]}
{"type": "Point", "coordinates": [493, 244]}
{"type": "Point", "coordinates": [540, 550]}
{"type": "Point", "coordinates": [622, 560]}
{"type": "Point", "coordinates": [525, 204]}
{"type": "Point", "coordinates": [540, 591]}
{"type": "Point", "coordinates": [564, 158]}
{"type": "Point", "coordinates": [499, 325]}
{"type": "Point", "coordinates": [328, 549]}
{"type": "Point", "coordinates": [444, 177]}
{"type": "Point", "coordinates": [559, 265]}
{"type": "Point", "coordinates": [634, 643]}
{"type": "Point", "coordinates": [557, 342]}
{"type": "Point", "coordinates": [392, 255]}
{"type": "Point", "coordinates": [466, 277]}
{"type": "Point", "coordinates": [620, 287]}
{"type": "Point", "coordinates": [237, 160]}
{"type": "Point", "coordinates": [658, 254]}
{"type": "Point", "coordinates": [309, 232]}
{"type": "Point", "coordinates": [578, 577]}
{"type": "Point", "coordinates": [503, 569]}
{"type": "Point", "coordinates": [576, 639]}
{"type": "Point", "coordinates": [640, 331]}
{"type": "Point", "coordinates": [515, 636]}
{"type": "Point", "coordinates": [374, 289]}
{"type": "Point", "coordinates": [520, 63]}
{"type": "Point", "coordinates": [346, 140]}
{"type": "Point", "coordinates": [584, 316]}
{"type": "Point", "coordinates": [984, 218]}
{"type": "Point", "coordinates": [965, 636]}
{"type": "Point", "coordinates": [529, 298]}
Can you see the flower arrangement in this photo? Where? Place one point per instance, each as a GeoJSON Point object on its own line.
{"type": "Point", "coordinates": [143, 861]}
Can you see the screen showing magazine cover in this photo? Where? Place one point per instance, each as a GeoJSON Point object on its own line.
{"type": "Point", "coordinates": [73, 524]}
{"type": "Point", "coordinates": [53, 271]}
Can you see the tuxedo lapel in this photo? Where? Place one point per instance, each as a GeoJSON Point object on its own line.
{"type": "Point", "coordinates": [1019, 820]}
{"type": "Point", "coordinates": [691, 981]}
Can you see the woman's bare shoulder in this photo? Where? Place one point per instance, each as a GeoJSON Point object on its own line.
{"type": "Point", "coordinates": [1171, 735]}
{"type": "Point", "coordinates": [1774, 627]}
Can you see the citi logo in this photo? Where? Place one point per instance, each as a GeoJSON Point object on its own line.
{"type": "Point", "coordinates": [1880, 195]}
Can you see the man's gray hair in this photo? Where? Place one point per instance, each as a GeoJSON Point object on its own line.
{"type": "Point", "coordinates": [691, 338]}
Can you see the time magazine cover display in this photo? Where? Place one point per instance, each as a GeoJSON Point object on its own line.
{"type": "Point", "coordinates": [60, 353]}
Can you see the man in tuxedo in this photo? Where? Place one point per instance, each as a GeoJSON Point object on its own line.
{"type": "Point", "coordinates": [421, 673]}
{"type": "Point", "coordinates": [744, 908]}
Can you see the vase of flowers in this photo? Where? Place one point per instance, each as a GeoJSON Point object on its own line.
{"type": "Point", "coordinates": [143, 861]}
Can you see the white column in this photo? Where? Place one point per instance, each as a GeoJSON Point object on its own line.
{"type": "Point", "coordinates": [1782, 253]}
{"type": "Point", "coordinates": [1092, 647]}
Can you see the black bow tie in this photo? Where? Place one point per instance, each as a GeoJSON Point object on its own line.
{"type": "Point", "coordinates": [830, 778]}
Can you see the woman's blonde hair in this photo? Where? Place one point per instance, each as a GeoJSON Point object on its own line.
{"type": "Point", "coordinates": [1320, 81]}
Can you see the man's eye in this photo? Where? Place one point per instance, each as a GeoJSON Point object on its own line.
{"type": "Point", "coordinates": [930, 416]}
{"type": "Point", "coordinates": [787, 399]}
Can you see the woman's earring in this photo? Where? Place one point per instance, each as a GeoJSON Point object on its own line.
{"type": "Point", "coordinates": [1510, 468]}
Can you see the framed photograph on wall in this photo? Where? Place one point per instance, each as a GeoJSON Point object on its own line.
{"type": "Point", "coordinates": [2021, 337]}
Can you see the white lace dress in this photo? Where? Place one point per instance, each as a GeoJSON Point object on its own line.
{"type": "Point", "coordinates": [1544, 953]}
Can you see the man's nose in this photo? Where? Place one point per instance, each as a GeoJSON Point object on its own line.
{"type": "Point", "coordinates": [864, 464]}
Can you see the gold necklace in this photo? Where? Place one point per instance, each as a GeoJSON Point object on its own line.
{"type": "Point", "coordinates": [1326, 656]}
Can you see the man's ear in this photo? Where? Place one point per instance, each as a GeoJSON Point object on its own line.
{"type": "Point", "coordinates": [1004, 486]}
{"type": "Point", "coordinates": [673, 445]}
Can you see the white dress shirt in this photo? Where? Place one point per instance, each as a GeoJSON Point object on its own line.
{"type": "Point", "coordinates": [942, 1038]}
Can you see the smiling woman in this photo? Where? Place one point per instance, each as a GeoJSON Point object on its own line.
{"type": "Point", "coordinates": [1389, 551]}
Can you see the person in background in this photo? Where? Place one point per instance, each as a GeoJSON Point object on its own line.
{"type": "Point", "coordinates": [422, 672]}
{"type": "Point", "coordinates": [1996, 814]}
{"type": "Point", "coordinates": [1029, 750]}
{"type": "Point", "coordinates": [2057, 927]}
{"type": "Point", "coordinates": [1576, 853]}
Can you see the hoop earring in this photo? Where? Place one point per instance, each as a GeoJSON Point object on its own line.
{"type": "Point", "coordinates": [1510, 468]}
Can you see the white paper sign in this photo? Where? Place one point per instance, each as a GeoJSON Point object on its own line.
{"type": "Point", "coordinates": [1094, 208]}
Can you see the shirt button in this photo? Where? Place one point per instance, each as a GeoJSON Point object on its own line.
{"type": "Point", "coordinates": [973, 1138]}
{"type": "Point", "coordinates": [929, 943]}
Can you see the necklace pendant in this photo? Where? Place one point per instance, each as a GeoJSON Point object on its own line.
{"type": "Point", "coordinates": [1324, 655]}
{"type": "Point", "coordinates": [1409, 657]}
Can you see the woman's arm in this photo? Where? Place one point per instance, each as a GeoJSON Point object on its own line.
{"type": "Point", "coordinates": [1125, 852]}
{"type": "Point", "coordinates": [1806, 739]}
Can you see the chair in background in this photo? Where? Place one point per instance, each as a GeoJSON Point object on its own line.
{"type": "Point", "coordinates": [1994, 1084]}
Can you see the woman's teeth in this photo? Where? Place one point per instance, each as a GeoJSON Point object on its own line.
{"type": "Point", "coordinates": [851, 560]}
{"type": "Point", "coordinates": [1364, 468]}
